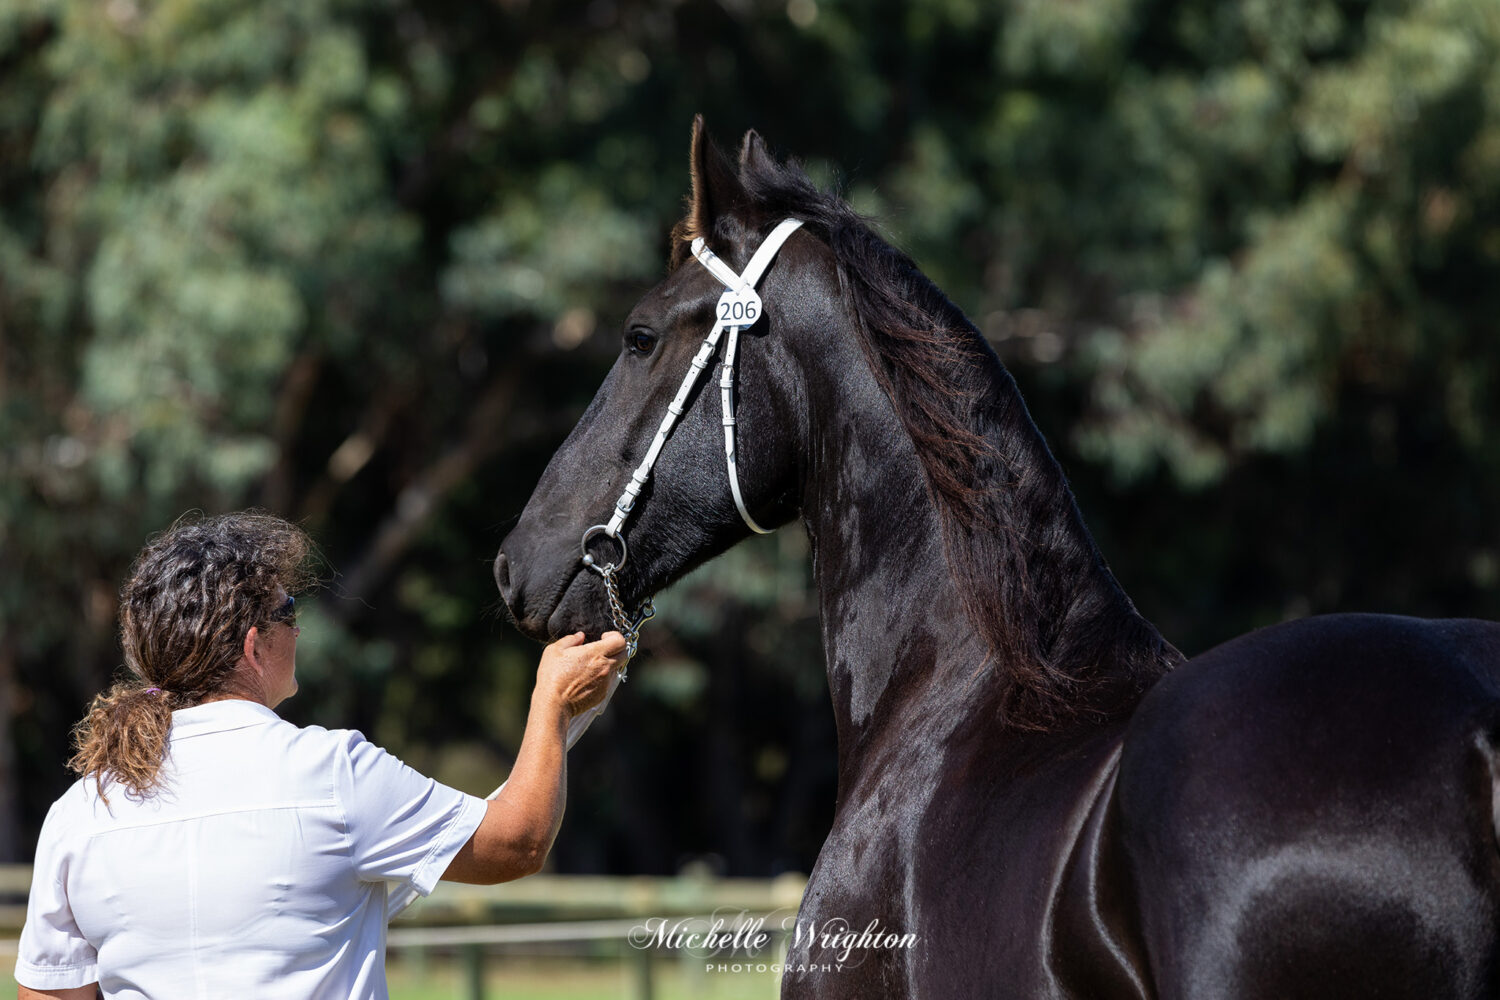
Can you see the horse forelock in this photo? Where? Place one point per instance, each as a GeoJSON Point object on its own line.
{"type": "Point", "coordinates": [683, 235]}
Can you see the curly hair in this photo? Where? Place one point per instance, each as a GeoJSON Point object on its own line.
{"type": "Point", "coordinates": [193, 593]}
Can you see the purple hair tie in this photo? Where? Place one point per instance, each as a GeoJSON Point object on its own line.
{"type": "Point", "coordinates": [153, 690]}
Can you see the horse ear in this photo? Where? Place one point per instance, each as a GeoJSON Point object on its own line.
{"type": "Point", "coordinates": [716, 188]}
{"type": "Point", "coordinates": [754, 158]}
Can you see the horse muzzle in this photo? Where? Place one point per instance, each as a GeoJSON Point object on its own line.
{"type": "Point", "coordinates": [545, 608]}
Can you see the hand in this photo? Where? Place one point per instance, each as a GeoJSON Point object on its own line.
{"type": "Point", "coordinates": [575, 674]}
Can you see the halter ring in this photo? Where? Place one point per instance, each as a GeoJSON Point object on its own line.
{"type": "Point", "coordinates": [590, 561]}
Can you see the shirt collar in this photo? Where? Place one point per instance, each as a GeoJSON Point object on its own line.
{"type": "Point", "coordinates": [220, 717]}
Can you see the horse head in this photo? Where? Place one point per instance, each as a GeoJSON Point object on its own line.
{"type": "Point", "coordinates": [685, 511]}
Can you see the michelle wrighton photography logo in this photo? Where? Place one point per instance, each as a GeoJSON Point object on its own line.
{"type": "Point", "coordinates": [740, 941]}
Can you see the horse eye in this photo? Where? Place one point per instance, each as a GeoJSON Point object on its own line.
{"type": "Point", "coordinates": [641, 342]}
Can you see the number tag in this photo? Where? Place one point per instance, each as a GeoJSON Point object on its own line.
{"type": "Point", "coordinates": [738, 307]}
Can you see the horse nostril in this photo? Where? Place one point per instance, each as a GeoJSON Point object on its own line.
{"type": "Point", "coordinates": [502, 577]}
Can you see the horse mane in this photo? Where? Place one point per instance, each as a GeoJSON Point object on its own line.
{"type": "Point", "coordinates": [975, 441]}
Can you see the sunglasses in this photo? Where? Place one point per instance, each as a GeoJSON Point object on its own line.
{"type": "Point", "coordinates": [287, 613]}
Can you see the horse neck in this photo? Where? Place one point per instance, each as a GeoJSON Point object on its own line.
{"type": "Point", "coordinates": [903, 656]}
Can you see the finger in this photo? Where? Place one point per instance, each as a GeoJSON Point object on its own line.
{"type": "Point", "coordinates": [611, 643]}
{"type": "Point", "coordinates": [568, 641]}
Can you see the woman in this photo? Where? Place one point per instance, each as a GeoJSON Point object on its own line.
{"type": "Point", "coordinates": [211, 849]}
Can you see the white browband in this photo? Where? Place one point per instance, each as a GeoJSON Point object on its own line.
{"type": "Point", "coordinates": [759, 261]}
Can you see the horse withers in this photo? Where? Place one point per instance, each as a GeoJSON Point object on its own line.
{"type": "Point", "coordinates": [1038, 796]}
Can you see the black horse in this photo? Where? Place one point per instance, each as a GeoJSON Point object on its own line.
{"type": "Point", "coordinates": [1038, 796]}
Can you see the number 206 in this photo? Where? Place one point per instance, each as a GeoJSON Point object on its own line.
{"type": "Point", "coordinates": [739, 311]}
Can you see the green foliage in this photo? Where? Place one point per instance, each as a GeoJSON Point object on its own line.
{"type": "Point", "coordinates": [1334, 246]}
{"type": "Point", "coordinates": [549, 246]}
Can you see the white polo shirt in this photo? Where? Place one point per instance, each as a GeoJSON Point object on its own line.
{"type": "Point", "coordinates": [260, 869]}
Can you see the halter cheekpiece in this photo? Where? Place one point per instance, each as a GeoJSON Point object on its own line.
{"type": "Point", "coordinates": [737, 310]}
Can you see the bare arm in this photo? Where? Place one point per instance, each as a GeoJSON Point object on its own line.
{"type": "Point", "coordinates": [522, 821]}
{"type": "Point", "coordinates": [89, 992]}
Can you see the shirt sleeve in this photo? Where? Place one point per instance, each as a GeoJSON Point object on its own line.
{"type": "Point", "coordinates": [53, 953]}
{"type": "Point", "coordinates": [403, 826]}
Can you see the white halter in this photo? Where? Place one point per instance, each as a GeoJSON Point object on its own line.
{"type": "Point", "coordinates": [737, 309]}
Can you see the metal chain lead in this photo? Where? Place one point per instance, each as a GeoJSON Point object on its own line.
{"type": "Point", "coordinates": [631, 630]}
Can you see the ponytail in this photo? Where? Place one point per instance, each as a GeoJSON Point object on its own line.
{"type": "Point", "coordinates": [123, 738]}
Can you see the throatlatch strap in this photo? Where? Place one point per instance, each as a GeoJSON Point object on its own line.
{"type": "Point", "coordinates": [751, 276]}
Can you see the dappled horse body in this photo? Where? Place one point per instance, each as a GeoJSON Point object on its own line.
{"type": "Point", "coordinates": [1037, 795]}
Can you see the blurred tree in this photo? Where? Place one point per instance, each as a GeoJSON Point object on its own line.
{"type": "Point", "coordinates": [360, 261]}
